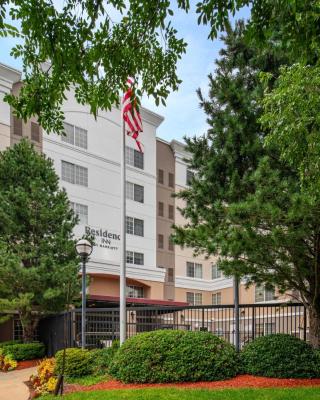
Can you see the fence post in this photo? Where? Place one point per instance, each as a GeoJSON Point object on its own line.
{"type": "Point", "coordinates": [236, 311]}
{"type": "Point", "coordinates": [304, 323]}
{"type": "Point", "coordinates": [253, 329]}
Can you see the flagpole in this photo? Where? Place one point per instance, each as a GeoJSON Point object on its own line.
{"type": "Point", "coordinates": [123, 313]}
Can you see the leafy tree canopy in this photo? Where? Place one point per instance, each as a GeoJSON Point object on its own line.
{"type": "Point", "coordinates": [38, 262]}
{"type": "Point", "coordinates": [87, 49]}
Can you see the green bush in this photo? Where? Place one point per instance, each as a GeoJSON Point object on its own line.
{"type": "Point", "coordinates": [25, 351]}
{"type": "Point", "coordinates": [78, 362]}
{"type": "Point", "coordinates": [174, 356]}
{"type": "Point", "coordinates": [101, 358]}
{"type": "Point", "coordinates": [280, 356]}
{"type": "Point", "coordinates": [9, 343]}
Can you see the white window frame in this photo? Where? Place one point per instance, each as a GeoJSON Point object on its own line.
{"type": "Point", "coordinates": [73, 173]}
{"type": "Point", "coordinates": [134, 158]}
{"type": "Point", "coordinates": [133, 256]}
{"type": "Point", "coordinates": [216, 298]}
{"type": "Point", "coordinates": [81, 210]}
{"type": "Point", "coordinates": [266, 293]}
{"type": "Point", "coordinates": [131, 226]}
{"type": "Point", "coordinates": [215, 272]}
{"type": "Point", "coordinates": [133, 291]}
{"type": "Point", "coordinates": [75, 136]}
{"type": "Point", "coordinates": [194, 298]}
{"type": "Point", "coordinates": [194, 270]}
{"type": "Point", "coordinates": [132, 191]}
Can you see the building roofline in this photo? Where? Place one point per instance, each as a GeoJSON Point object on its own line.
{"type": "Point", "coordinates": [9, 74]}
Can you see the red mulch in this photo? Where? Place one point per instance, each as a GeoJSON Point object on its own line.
{"type": "Point", "coordinates": [28, 364]}
{"type": "Point", "coordinates": [240, 381]}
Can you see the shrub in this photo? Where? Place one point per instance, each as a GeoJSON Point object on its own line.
{"type": "Point", "coordinates": [25, 351]}
{"type": "Point", "coordinates": [101, 358]}
{"type": "Point", "coordinates": [174, 356]}
{"type": "Point", "coordinates": [9, 343]}
{"type": "Point", "coordinates": [44, 381]}
{"type": "Point", "coordinates": [78, 362]}
{"type": "Point", "coordinates": [280, 356]}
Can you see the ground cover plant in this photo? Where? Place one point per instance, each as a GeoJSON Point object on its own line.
{"type": "Point", "coordinates": [190, 394]}
{"type": "Point", "coordinates": [174, 356]}
{"type": "Point", "coordinates": [280, 356]}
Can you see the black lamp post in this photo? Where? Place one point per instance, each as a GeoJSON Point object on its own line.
{"type": "Point", "coordinates": [84, 249]}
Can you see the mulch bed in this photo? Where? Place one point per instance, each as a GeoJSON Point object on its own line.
{"type": "Point", "coordinates": [27, 364]}
{"type": "Point", "coordinates": [240, 381]}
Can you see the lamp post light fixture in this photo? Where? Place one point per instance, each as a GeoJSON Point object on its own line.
{"type": "Point", "coordinates": [84, 249]}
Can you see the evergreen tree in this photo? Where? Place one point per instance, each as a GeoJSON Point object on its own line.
{"type": "Point", "coordinates": [245, 203]}
{"type": "Point", "coordinates": [38, 262]}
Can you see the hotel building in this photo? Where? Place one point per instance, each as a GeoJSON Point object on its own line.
{"type": "Point", "coordinates": [87, 159]}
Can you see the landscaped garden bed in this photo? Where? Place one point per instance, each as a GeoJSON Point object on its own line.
{"type": "Point", "coordinates": [185, 360]}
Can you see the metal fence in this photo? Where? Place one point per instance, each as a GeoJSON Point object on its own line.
{"type": "Point", "coordinates": [102, 324]}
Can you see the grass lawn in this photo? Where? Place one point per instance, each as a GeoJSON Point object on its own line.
{"type": "Point", "coordinates": [188, 394]}
{"type": "Point", "coordinates": [87, 380]}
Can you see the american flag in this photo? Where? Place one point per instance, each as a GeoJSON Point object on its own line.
{"type": "Point", "coordinates": [131, 115]}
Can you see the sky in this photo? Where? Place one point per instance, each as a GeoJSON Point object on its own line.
{"type": "Point", "coordinates": [182, 114]}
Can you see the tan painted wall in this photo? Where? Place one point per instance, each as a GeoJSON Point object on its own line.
{"type": "Point", "coordinates": [109, 286]}
{"type": "Point", "coordinates": [4, 137]}
{"type": "Point", "coordinates": [182, 255]}
{"type": "Point", "coordinates": [26, 126]}
{"type": "Point", "coordinates": [165, 257]}
{"type": "Point", "coordinates": [246, 295]}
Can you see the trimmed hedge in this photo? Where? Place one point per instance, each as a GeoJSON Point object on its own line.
{"type": "Point", "coordinates": [280, 356]}
{"type": "Point", "coordinates": [78, 362]}
{"type": "Point", "coordinates": [25, 351]}
{"type": "Point", "coordinates": [9, 343]}
{"type": "Point", "coordinates": [174, 356]}
{"type": "Point", "coordinates": [102, 358]}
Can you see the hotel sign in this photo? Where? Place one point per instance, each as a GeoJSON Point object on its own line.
{"type": "Point", "coordinates": [106, 242]}
{"type": "Point", "coordinates": [104, 238]}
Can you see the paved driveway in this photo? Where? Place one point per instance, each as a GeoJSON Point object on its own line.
{"type": "Point", "coordinates": [12, 386]}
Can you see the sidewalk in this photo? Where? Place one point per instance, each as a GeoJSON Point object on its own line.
{"type": "Point", "coordinates": [12, 386]}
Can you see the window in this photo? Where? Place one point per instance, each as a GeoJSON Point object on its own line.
{"type": "Point", "coordinates": [160, 241]}
{"type": "Point", "coordinates": [134, 226]}
{"type": "Point", "coordinates": [75, 136]}
{"type": "Point", "coordinates": [194, 270]}
{"type": "Point", "coordinates": [160, 209]}
{"type": "Point", "coordinates": [216, 298]}
{"type": "Point", "coordinates": [134, 157]}
{"type": "Point", "coordinates": [171, 179]}
{"type": "Point", "coordinates": [269, 328]}
{"type": "Point", "coordinates": [135, 258]}
{"type": "Point", "coordinates": [190, 176]}
{"type": "Point", "coordinates": [135, 291]}
{"type": "Point", "coordinates": [195, 299]}
{"type": "Point", "coordinates": [170, 244]}
{"type": "Point", "coordinates": [134, 192]}
{"type": "Point", "coordinates": [17, 126]}
{"type": "Point", "coordinates": [73, 173]}
{"type": "Point", "coordinates": [264, 294]}
{"type": "Point", "coordinates": [216, 273]}
{"type": "Point", "coordinates": [160, 176]}
{"type": "Point", "coordinates": [170, 275]}
{"type": "Point", "coordinates": [35, 132]}
{"type": "Point", "coordinates": [171, 212]}
{"type": "Point", "coordinates": [81, 211]}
